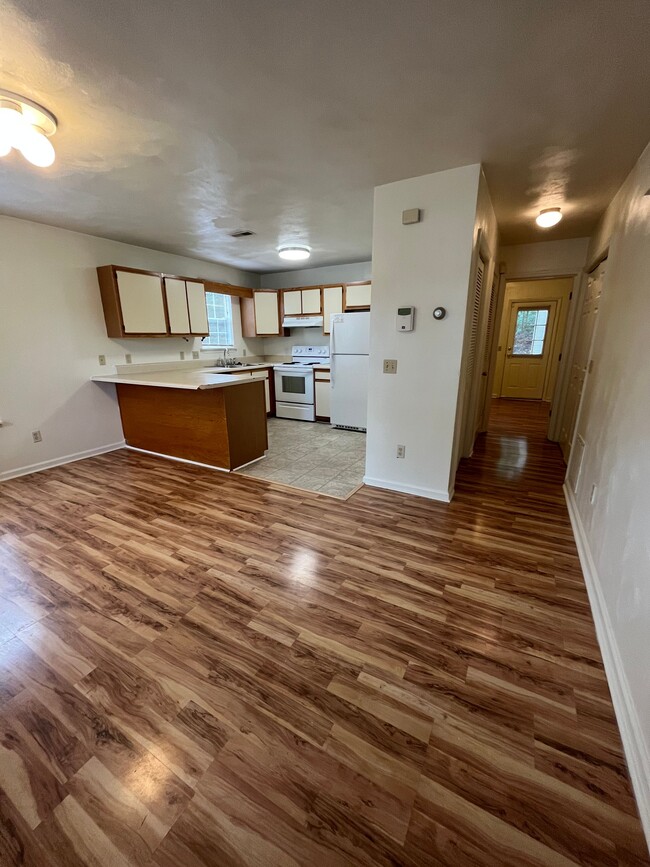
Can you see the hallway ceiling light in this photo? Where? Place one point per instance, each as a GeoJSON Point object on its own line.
{"type": "Point", "coordinates": [295, 254]}
{"type": "Point", "coordinates": [27, 127]}
{"type": "Point", "coordinates": [548, 217]}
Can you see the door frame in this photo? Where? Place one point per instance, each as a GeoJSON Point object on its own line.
{"type": "Point", "coordinates": [575, 304]}
{"type": "Point", "coordinates": [550, 337]}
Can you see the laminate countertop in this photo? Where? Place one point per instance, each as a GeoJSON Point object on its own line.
{"type": "Point", "coordinates": [191, 380]}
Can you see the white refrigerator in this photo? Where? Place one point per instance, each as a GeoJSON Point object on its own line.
{"type": "Point", "coordinates": [349, 349]}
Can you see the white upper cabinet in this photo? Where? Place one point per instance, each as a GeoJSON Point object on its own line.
{"type": "Point", "coordinates": [141, 303]}
{"type": "Point", "coordinates": [357, 295]}
{"type": "Point", "coordinates": [311, 301]}
{"type": "Point", "coordinates": [332, 304]}
{"type": "Point", "coordinates": [292, 302]}
{"type": "Point", "coordinates": [267, 313]}
{"type": "Point", "coordinates": [197, 308]}
{"type": "Point", "coordinates": [176, 293]}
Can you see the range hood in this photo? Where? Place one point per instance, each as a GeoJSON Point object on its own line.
{"type": "Point", "coordinates": [302, 322]}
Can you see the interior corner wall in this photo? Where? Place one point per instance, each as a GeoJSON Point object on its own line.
{"type": "Point", "coordinates": [426, 265]}
{"type": "Point", "coordinates": [612, 521]}
{"type": "Point", "coordinates": [52, 332]}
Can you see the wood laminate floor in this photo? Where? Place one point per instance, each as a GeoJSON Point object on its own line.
{"type": "Point", "coordinates": [202, 669]}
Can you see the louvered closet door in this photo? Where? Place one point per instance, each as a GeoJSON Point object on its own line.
{"type": "Point", "coordinates": [487, 352]}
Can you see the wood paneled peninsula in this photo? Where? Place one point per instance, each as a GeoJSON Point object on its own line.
{"type": "Point", "coordinates": [209, 418]}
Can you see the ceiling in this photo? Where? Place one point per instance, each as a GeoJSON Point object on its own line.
{"type": "Point", "coordinates": [181, 122]}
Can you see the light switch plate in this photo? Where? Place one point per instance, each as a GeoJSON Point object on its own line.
{"type": "Point", "coordinates": [390, 365]}
{"type": "Point", "coordinates": [195, 354]}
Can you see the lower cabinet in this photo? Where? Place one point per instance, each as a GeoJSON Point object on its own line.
{"type": "Point", "coordinates": [322, 388]}
{"type": "Point", "coordinates": [269, 389]}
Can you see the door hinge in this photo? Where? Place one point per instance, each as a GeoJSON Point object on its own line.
{"type": "Point", "coordinates": [570, 295]}
{"type": "Point", "coordinates": [560, 357]}
{"type": "Point", "coordinates": [591, 365]}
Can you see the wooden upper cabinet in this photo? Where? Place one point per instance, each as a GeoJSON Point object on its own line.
{"type": "Point", "coordinates": [197, 308]}
{"type": "Point", "coordinates": [188, 314]}
{"type": "Point", "coordinates": [311, 301]}
{"type": "Point", "coordinates": [260, 315]}
{"type": "Point", "coordinates": [332, 304]}
{"type": "Point", "coordinates": [357, 295]}
{"type": "Point", "coordinates": [179, 316]}
{"type": "Point", "coordinates": [133, 302]}
{"type": "Point", "coordinates": [292, 301]}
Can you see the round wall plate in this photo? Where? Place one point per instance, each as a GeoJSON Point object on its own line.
{"type": "Point", "coordinates": [32, 111]}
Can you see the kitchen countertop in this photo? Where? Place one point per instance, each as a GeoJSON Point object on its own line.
{"type": "Point", "coordinates": [322, 366]}
{"type": "Point", "coordinates": [191, 380]}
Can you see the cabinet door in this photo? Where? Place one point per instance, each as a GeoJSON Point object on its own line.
{"type": "Point", "coordinates": [267, 389]}
{"type": "Point", "coordinates": [197, 307]}
{"type": "Point", "coordinates": [179, 319]}
{"type": "Point", "coordinates": [322, 393]}
{"type": "Point", "coordinates": [141, 303]}
{"type": "Point", "coordinates": [311, 301]}
{"type": "Point", "coordinates": [292, 302]}
{"type": "Point", "coordinates": [332, 304]}
{"type": "Point", "coordinates": [267, 314]}
{"type": "Point", "coordinates": [357, 295]}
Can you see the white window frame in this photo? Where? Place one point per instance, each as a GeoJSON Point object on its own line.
{"type": "Point", "coordinates": [212, 346]}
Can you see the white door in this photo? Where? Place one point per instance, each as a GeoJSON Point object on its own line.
{"type": "Point", "coordinates": [529, 349]}
{"type": "Point", "coordinates": [141, 302]}
{"type": "Point", "coordinates": [311, 301]}
{"type": "Point", "coordinates": [267, 315]}
{"type": "Point", "coordinates": [197, 307]}
{"type": "Point", "coordinates": [349, 390]}
{"type": "Point", "coordinates": [581, 357]}
{"type": "Point", "coordinates": [176, 294]}
{"type": "Point", "coordinates": [292, 302]}
{"type": "Point", "coordinates": [332, 304]}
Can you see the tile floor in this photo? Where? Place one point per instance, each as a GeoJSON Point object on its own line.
{"type": "Point", "coordinates": [312, 456]}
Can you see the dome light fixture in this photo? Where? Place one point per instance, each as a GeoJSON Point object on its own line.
{"type": "Point", "coordinates": [294, 254]}
{"type": "Point", "coordinates": [26, 127]}
{"type": "Point", "coordinates": [548, 217]}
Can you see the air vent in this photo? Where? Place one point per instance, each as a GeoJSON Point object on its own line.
{"type": "Point", "coordinates": [241, 233]}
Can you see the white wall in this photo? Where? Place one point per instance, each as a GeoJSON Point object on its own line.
{"type": "Point", "coordinates": [546, 258]}
{"type": "Point", "coordinates": [427, 265]}
{"type": "Point", "coordinates": [52, 332]}
{"type": "Point", "coordinates": [316, 276]}
{"type": "Point", "coordinates": [614, 532]}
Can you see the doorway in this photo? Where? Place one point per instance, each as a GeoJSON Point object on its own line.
{"type": "Point", "coordinates": [531, 335]}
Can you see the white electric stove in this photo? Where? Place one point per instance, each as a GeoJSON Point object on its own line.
{"type": "Point", "coordinates": [294, 382]}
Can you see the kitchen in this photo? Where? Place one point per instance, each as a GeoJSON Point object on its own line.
{"type": "Point", "coordinates": [314, 394]}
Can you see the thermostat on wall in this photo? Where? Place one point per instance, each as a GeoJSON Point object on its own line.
{"type": "Point", "coordinates": [405, 318]}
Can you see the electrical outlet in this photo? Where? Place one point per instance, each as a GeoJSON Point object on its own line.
{"type": "Point", "coordinates": [195, 354]}
{"type": "Point", "coordinates": [401, 451]}
{"type": "Point", "coordinates": [594, 491]}
{"type": "Point", "coordinates": [36, 436]}
{"type": "Point", "coordinates": [182, 356]}
{"type": "Point", "coordinates": [128, 358]}
{"type": "Point", "coordinates": [102, 360]}
{"type": "Point", "coordinates": [243, 352]}
{"type": "Point", "coordinates": [390, 365]}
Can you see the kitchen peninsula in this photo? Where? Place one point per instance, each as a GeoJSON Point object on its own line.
{"type": "Point", "coordinates": [209, 418]}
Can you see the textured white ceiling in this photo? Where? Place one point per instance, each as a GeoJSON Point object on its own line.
{"type": "Point", "coordinates": [182, 121]}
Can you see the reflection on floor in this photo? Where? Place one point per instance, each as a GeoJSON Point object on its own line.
{"type": "Point", "coordinates": [312, 456]}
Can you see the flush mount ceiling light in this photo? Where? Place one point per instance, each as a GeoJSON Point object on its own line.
{"type": "Point", "coordinates": [295, 254]}
{"type": "Point", "coordinates": [26, 127]}
{"type": "Point", "coordinates": [548, 217]}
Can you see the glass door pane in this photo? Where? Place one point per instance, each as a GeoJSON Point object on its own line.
{"type": "Point", "coordinates": [530, 331]}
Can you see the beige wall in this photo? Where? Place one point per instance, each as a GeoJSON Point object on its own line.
{"type": "Point", "coordinates": [531, 291]}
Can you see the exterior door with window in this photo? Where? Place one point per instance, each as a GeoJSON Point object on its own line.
{"type": "Point", "coordinates": [529, 348]}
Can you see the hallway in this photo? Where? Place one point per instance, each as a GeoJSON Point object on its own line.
{"type": "Point", "coordinates": [204, 669]}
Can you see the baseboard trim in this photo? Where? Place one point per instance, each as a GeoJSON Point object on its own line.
{"type": "Point", "coordinates": [429, 493]}
{"type": "Point", "coordinates": [58, 462]}
{"type": "Point", "coordinates": [185, 460]}
{"type": "Point", "coordinates": [634, 745]}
